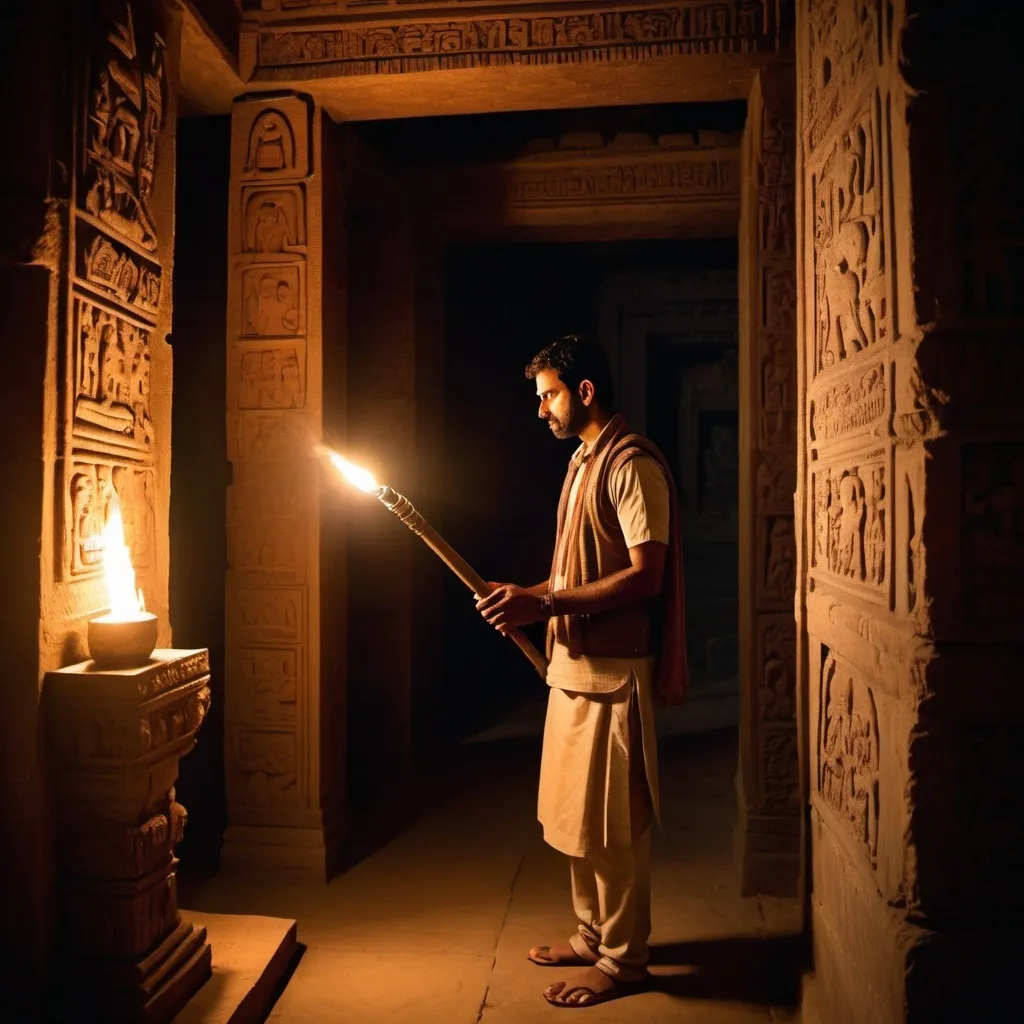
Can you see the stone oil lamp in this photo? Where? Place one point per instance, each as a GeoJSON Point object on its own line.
{"type": "Point", "coordinates": [125, 636]}
{"type": "Point", "coordinates": [363, 480]}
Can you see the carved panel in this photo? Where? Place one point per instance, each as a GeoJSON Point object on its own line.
{"type": "Point", "coordinates": [268, 551]}
{"type": "Point", "coordinates": [266, 690]}
{"type": "Point", "coordinates": [273, 220]}
{"type": "Point", "coordinates": [268, 615]}
{"type": "Point", "coordinates": [126, 109]}
{"type": "Point", "coordinates": [852, 525]}
{"type": "Point", "coordinates": [780, 772]}
{"type": "Point", "coordinates": [273, 300]}
{"type": "Point", "coordinates": [86, 502]}
{"type": "Point", "coordinates": [777, 561]}
{"type": "Point", "coordinates": [271, 140]}
{"type": "Point", "coordinates": [776, 647]}
{"type": "Point", "coordinates": [268, 376]}
{"type": "Point", "coordinates": [777, 422]}
{"type": "Point", "coordinates": [264, 769]}
{"type": "Point", "coordinates": [992, 532]}
{"type": "Point", "coordinates": [851, 261]}
{"type": "Point", "coordinates": [634, 34]}
{"type": "Point", "coordinates": [848, 750]}
{"type": "Point", "coordinates": [845, 40]}
{"type": "Point", "coordinates": [111, 380]}
{"type": "Point", "coordinates": [118, 272]}
{"type": "Point", "coordinates": [269, 437]}
{"type": "Point", "coordinates": [852, 409]}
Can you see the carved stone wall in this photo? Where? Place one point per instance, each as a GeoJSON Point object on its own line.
{"type": "Point", "coordinates": [283, 807]}
{"type": "Point", "coordinates": [768, 831]}
{"type": "Point", "coordinates": [910, 557]}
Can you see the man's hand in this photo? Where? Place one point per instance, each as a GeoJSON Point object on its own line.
{"type": "Point", "coordinates": [509, 606]}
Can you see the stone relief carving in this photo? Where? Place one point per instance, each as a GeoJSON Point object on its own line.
{"type": "Point", "coordinates": [778, 559]}
{"type": "Point", "coordinates": [273, 300]}
{"type": "Point", "coordinates": [850, 263]}
{"type": "Point", "coordinates": [848, 773]}
{"type": "Point", "coordinates": [271, 148]}
{"type": "Point", "coordinates": [992, 531]}
{"type": "Point", "coordinates": [776, 696]}
{"type": "Point", "coordinates": [274, 220]}
{"type": "Point", "coordinates": [780, 779]}
{"type": "Point", "coordinates": [778, 293]}
{"type": "Point", "coordinates": [269, 679]}
{"type": "Point", "coordinates": [267, 490]}
{"type": "Point", "coordinates": [268, 437]}
{"type": "Point", "coordinates": [126, 116]}
{"type": "Point", "coordinates": [855, 406]}
{"type": "Point", "coordinates": [265, 768]}
{"type": "Point", "coordinates": [844, 42]}
{"type": "Point", "coordinates": [274, 552]}
{"type": "Point", "coordinates": [776, 424]}
{"type": "Point", "coordinates": [723, 26]}
{"type": "Point", "coordinates": [120, 273]}
{"type": "Point", "coordinates": [90, 487]}
{"type": "Point", "coordinates": [112, 379]}
{"type": "Point", "coordinates": [851, 523]}
{"type": "Point", "coordinates": [271, 377]}
{"type": "Point", "coordinates": [269, 615]}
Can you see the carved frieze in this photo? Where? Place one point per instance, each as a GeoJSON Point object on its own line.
{"type": "Point", "coordinates": [111, 380]}
{"type": "Point", "coordinates": [992, 532]}
{"type": "Point", "coordinates": [845, 39]}
{"type": "Point", "coordinates": [118, 272]}
{"type": "Point", "coordinates": [264, 769]}
{"type": "Point", "coordinates": [852, 525]}
{"type": "Point", "coordinates": [848, 751]}
{"type": "Point", "coordinates": [126, 109]}
{"type": "Point", "coordinates": [403, 45]}
{"type": "Point", "coordinates": [851, 409]}
{"type": "Point", "coordinates": [851, 262]}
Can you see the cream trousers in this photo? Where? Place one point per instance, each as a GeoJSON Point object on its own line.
{"type": "Point", "coordinates": [611, 894]}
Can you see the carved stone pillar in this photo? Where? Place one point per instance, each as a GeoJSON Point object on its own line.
{"type": "Point", "coordinates": [285, 613]}
{"type": "Point", "coordinates": [768, 780]}
{"type": "Point", "coordinates": [115, 739]}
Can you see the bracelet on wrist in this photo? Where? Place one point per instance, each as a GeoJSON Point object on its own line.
{"type": "Point", "coordinates": [547, 604]}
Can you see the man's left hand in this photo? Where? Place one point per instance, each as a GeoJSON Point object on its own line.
{"type": "Point", "coordinates": [510, 606]}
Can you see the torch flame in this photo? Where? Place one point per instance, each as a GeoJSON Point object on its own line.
{"type": "Point", "coordinates": [125, 601]}
{"type": "Point", "coordinates": [355, 475]}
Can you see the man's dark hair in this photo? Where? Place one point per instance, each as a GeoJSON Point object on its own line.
{"type": "Point", "coordinates": [576, 359]}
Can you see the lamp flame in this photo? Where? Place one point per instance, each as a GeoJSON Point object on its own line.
{"type": "Point", "coordinates": [357, 476]}
{"type": "Point", "coordinates": [125, 600]}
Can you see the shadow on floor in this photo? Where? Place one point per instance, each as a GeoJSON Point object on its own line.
{"type": "Point", "coordinates": [765, 970]}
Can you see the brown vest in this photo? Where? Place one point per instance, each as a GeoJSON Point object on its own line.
{"type": "Point", "coordinates": [595, 547]}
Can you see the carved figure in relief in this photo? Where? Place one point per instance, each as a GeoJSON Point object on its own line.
{"type": "Point", "coordinates": [776, 695]}
{"type": "Point", "coordinates": [272, 302]}
{"type": "Point", "coordinates": [271, 144]}
{"type": "Point", "coordinates": [780, 560]}
{"type": "Point", "coordinates": [86, 524]}
{"type": "Point", "coordinates": [272, 682]}
{"type": "Point", "coordinates": [126, 118]}
{"type": "Point", "coordinates": [274, 231]}
{"type": "Point", "coordinates": [846, 555]}
{"type": "Point", "coordinates": [874, 531]}
{"type": "Point", "coordinates": [271, 379]}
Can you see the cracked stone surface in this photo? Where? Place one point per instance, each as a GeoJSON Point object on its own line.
{"type": "Point", "coordinates": [435, 925]}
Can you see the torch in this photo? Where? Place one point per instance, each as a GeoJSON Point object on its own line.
{"type": "Point", "coordinates": [400, 505]}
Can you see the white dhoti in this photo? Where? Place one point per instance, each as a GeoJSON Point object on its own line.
{"type": "Point", "coordinates": [598, 792]}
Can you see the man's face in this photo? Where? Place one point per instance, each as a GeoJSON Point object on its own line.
{"type": "Point", "coordinates": [563, 409]}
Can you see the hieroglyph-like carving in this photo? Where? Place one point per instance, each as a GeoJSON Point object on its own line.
{"type": "Point", "coordinates": [851, 523]}
{"type": "Point", "coordinates": [111, 379]}
{"type": "Point", "coordinates": [274, 220]}
{"type": "Point", "coordinates": [271, 377]}
{"type": "Point", "coordinates": [264, 770]}
{"type": "Point", "coordinates": [126, 115]}
{"type": "Point", "coordinates": [273, 300]}
{"type": "Point", "coordinates": [118, 272]}
{"type": "Point", "coordinates": [725, 26]}
{"type": "Point", "coordinates": [269, 685]}
{"type": "Point", "coordinates": [845, 40]}
{"type": "Point", "coordinates": [850, 250]}
{"type": "Point", "coordinates": [269, 615]}
{"type": "Point", "coordinates": [848, 772]}
{"type": "Point", "coordinates": [852, 407]}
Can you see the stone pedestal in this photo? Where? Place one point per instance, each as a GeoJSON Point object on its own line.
{"type": "Point", "coordinates": [115, 739]}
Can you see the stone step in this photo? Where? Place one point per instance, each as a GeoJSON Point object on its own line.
{"type": "Point", "coordinates": [251, 955]}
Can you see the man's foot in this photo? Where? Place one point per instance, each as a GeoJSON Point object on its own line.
{"type": "Point", "coordinates": [562, 955]}
{"type": "Point", "coordinates": [590, 987]}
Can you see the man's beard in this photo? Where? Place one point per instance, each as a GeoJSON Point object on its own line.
{"type": "Point", "coordinates": [573, 424]}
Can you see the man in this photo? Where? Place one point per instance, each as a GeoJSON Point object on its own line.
{"type": "Point", "coordinates": [615, 638]}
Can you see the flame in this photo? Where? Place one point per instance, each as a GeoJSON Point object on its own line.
{"type": "Point", "coordinates": [355, 475]}
{"type": "Point", "coordinates": [125, 601]}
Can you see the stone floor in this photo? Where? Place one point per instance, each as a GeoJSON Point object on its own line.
{"type": "Point", "coordinates": [433, 927]}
